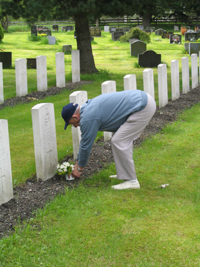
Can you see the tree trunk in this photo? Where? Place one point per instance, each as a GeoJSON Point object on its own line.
{"type": "Point", "coordinates": [146, 20]}
{"type": "Point", "coordinates": [87, 65]}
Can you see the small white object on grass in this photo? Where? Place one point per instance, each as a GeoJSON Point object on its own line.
{"type": "Point", "coordinates": [164, 185]}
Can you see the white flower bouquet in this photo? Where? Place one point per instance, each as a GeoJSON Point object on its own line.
{"type": "Point", "coordinates": [65, 169]}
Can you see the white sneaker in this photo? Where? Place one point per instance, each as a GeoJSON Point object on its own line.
{"type": "Point", "coordinates": [113, 176]}
{"type": "Point", "coordinates": [127, 185]}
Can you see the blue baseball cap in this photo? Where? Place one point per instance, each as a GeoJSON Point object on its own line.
{"type": "Point", "coordinates": [67, 112]}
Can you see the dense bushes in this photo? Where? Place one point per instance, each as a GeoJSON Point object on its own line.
{"type": "Point", "coordinates": [1, 33]}
{"type": "Point", "coordinates": [137, 34]}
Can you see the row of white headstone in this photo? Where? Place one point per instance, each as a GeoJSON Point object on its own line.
{"type": "Point", "coordinates": [42, 84]}
{"type": "Point", "coordinates": [43, 121]}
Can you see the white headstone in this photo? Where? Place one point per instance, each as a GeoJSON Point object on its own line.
{"type": "Point", "coordinates": [75, 66]}
{"type": "Point", "coordinates": [175, 87]}
{"type": "Point", "coordinates": [1, 84]}
{"type": "Point", "coordinates": [41, 73]}
{"type": "Point", "coordinates": [45, 145]}
{"type": "Point", "coordinates": [52, 40]}
{"type": "Point", "coordinates": [194, 70]}
{"type": "Point", "coordinates": [21, 77]}
{"type": "Point", "coordinates": [130, 82]}
{"type": "Point", "coordinates": [60, 69]}
{"type": "Point", "coordinates": [6, 187]}
{"type": "Point", "coordinates": [79, 97]}
{"type": "Point", "coordinates": [162, 85]}
{"type": "Point", "coordinates": [108, 87]}
{"type": "Point", "coordinates": [106, 28]}
{"type": "Point", "coordinates": [148, 82]}
{"type": "Point", "coordinates": [185, 75]}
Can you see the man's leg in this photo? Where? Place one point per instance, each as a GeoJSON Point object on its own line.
{"type": "Point", "coordinates": [122, 141]}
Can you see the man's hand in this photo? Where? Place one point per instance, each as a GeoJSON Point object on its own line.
{"type": "Point", "coordinates": [75, 172]}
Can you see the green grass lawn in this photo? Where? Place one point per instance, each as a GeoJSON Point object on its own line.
{"type": "Point", "coordinates": [111, 58]}
{"type": "Point", "coordinates": [94, 225]}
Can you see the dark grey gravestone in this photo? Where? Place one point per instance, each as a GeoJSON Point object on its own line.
{"type": "Point", "coordinates": [69, 28]}
{"type": "Point", "coordinates": [149, 59]}
{"type": "Point", "coordinates": [137, 47]}
{"type": "Point", "coordinates": [192, 48]}
{"type": "Point", "coordinates": [46, 31]}
{"type": "Point", "coordinates": [112, 29]}
{"type": "Point", "coordinates": [152, 29]}
{"type": "Point", "coordinates": [191, 36]}
{"type": "Point", "coordinates": [125, 29]}
{"type": "Point", "coordinates": [166, 34]}
{"type": "Point", "coordinates": [132, 40]}
{"type": "Point", "coordinates": [159, 31]}
{"type": "Point", "coordinates": [175, 39]}
{"type": "Point", "coordinates": [95, 31]}
{"type": "Point", "coordinates": [31, 63]}
{"type": "Point", "coordinates": [55, 27]}
{"type": "Point", "coordinates": [34, 30]}
{"type": "Point", "coordinates": [116, 35]}
{"type": "Point", "coordinates": [119, 30]}
{"type": "Point", "coordinates": [148, 31]}
{"type": "Point", "coordinates": [6, 59]}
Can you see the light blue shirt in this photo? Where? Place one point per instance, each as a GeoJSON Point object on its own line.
{"type": "Point", "coordinates": [106, 112]}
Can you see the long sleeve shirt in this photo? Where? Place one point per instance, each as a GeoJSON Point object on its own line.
{"type": "Point", "coordinates": [106, 112]}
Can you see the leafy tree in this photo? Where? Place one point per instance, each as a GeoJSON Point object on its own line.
{"type": "Point", "coordinates": [1, 33]}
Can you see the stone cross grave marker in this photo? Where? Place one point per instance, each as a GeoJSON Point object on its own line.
{"type": "Point", "coordinates": [175, 87]}
{"type": "Point", "coordinates": [79, 97]}
{"type": "Point", "coordinates": [60, 69]}
{"type": "Point", "coordinates": [162, 85]}
{"type": "Point", "coordinates": [44, 136]}
{"type": "Point", "coordinates": [108, 87]}
{"type": "Point", "coordinates": [149, 59]}
{"type": "Point", "coordinates": [148, 82]}
{"type": "Point", "coordinates": [6, 187]}
{"type": "Point", "coordinates": [41, 73]}
{"type": "Point", "coordinates": [1, 84]}
{"type": "Point", "coordinates": [137, 47]}
{"type": "Point", "coordinates": [185, 75]}
{"type": "Point", "coordinates": [194, 70]}
{"type": "Point", "coordinates": [21, 77]}
{"type": "Point", "coordinates": [130, 82]}
{"type": "Point", "coordinates": [75, 66]}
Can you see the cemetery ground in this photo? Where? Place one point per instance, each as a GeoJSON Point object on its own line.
{"type": "Point", "coordinates": [91, 224]}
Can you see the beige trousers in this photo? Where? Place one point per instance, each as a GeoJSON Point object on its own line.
{"type": "Point", "coordinates": [122, 140]}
